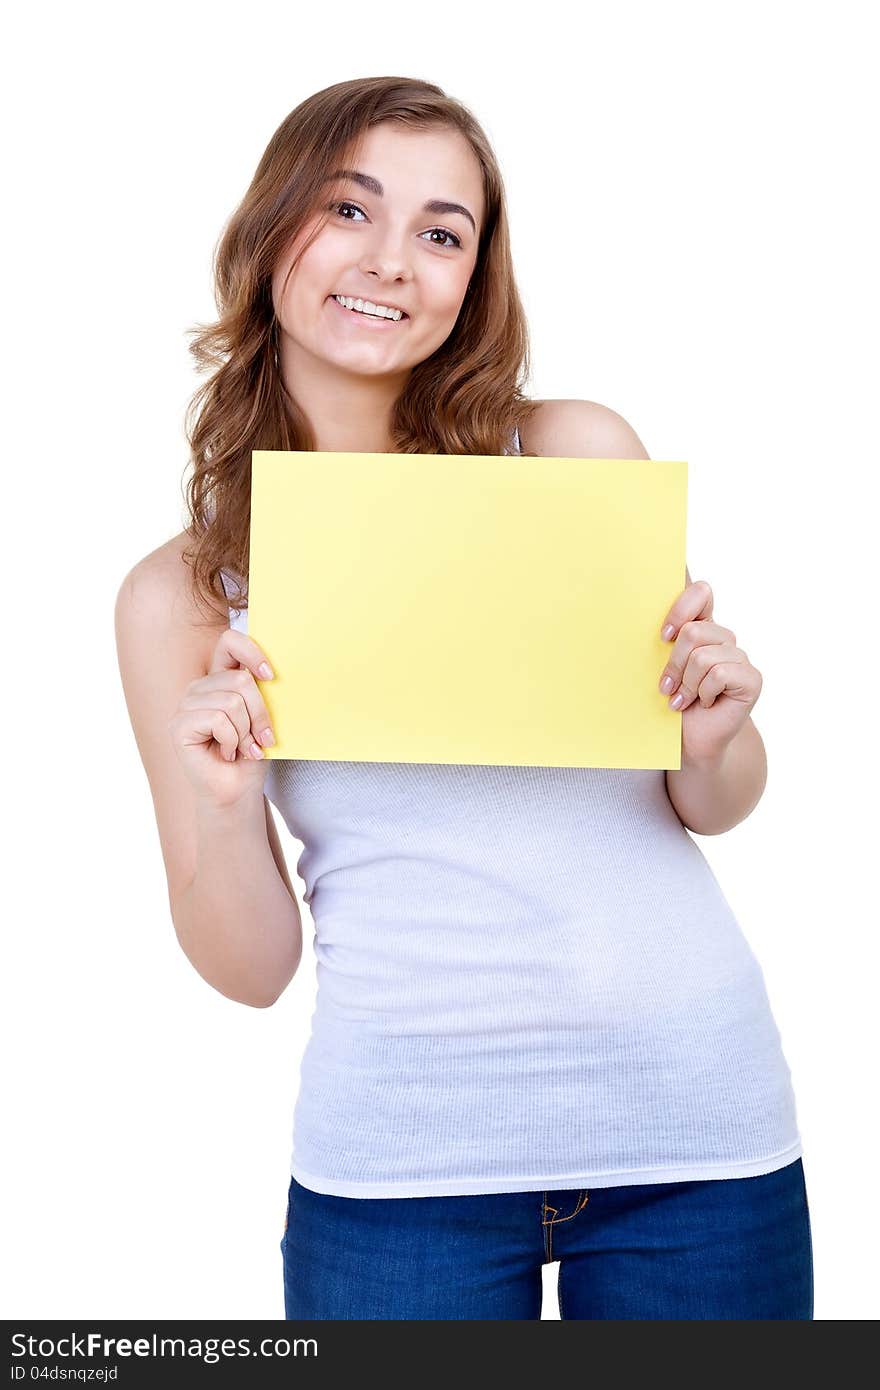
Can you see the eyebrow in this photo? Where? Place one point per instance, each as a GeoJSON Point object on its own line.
{"type": "Point", "coordinates": [374, 186]}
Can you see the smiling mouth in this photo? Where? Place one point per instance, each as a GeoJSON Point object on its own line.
{"type": "Point", "coordinates": [362, 314]}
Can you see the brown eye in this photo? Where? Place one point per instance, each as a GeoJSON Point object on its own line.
{"type": "Point", "coordinates": [456, 241]}
{"type": "Point", "coordinates": [443, 232]}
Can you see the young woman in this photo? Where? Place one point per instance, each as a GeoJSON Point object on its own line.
{"type": "Point", "coordinates": [540, 1033]}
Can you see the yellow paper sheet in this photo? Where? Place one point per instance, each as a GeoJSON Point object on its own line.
{"type": "Point", "coordinates": [439, 608]}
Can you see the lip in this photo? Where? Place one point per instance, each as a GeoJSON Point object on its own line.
{"type": "Point", "coordinates": [366, 320]}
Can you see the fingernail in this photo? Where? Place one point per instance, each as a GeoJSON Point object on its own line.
{"type": "Point", "coordinates": [667, 632]}
{"type": "Point", "coordinates": [666, 684]}
{"type": "Point", "coordinates": [265, 670]}
{"type": "Point", "coordinates": [676, 701]}
{"type": "Point", "coordinates": [256, 751]}
{"type": "Point", "coordinates": [267, 738]}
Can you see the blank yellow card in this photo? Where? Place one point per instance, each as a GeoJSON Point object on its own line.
{"type": "Point", "coordinates": [438, 608]}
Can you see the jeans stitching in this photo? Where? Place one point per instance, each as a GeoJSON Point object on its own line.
{"type": "Point", "coordinates": [548, 1230]}
{"type": "Point", "coordinates": [583, 1198]}
{"type": "Point", "coordinates": [582, 1201]}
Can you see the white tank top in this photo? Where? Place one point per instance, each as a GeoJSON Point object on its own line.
{"type": "Point", "coordinates": [527, 978]}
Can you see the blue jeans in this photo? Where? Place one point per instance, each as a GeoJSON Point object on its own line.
{"type": "Point", "coordinates": [736, 1248]}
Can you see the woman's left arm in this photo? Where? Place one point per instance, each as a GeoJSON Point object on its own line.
{"type": "Point", "coordinates": [723, 762]}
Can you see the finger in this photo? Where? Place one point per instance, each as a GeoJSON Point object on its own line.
{"type": "Point", "coordinates": [234, 648]}
{"type": "Point", "coordinates": [737, 679]}
{"type": "Point", "coordinates": [701, 661]}
{"type": "Point", "coordinates": [233, 705]}
{"type": "Point", "coordinates": [242, 683]}
{"type": "Point", "coordinates": [691, 636]}
{"type": "Point", "coordinates": [205, 724]}
{"type": "Point", "coordinates": [693, 602]}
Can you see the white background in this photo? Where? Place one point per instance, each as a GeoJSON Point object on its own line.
{"type": "Point", "coordinates": [690, 194]}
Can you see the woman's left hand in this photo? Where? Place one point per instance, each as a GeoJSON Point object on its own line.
{"type": "Point", "coordinates": [714, 682]}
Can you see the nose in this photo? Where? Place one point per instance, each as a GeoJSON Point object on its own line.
{"type": "Point", "coordinates": [386, 259]}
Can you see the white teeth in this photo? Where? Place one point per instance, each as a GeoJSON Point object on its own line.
{"type": "Point", "coordinates": [366, 306]}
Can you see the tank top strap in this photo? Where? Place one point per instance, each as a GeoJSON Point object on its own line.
{"type": "Point", "coordinates": [231, 586]}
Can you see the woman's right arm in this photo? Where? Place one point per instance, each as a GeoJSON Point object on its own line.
{"type": "Point", "coordinates": [194, 712]}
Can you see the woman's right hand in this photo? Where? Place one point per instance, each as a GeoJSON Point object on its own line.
{"type": "Point", "coordinates": [220, 721]}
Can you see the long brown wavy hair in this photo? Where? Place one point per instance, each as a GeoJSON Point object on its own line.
{"type": "Point", "coordinates": [463, 399]}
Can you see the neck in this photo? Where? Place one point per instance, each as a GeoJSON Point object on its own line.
{"type": "Point", "coordinates": [349, 412]}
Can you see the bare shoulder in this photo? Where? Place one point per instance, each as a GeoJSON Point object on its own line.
{"type": "Point", "coordinates": [157, 593]}
{"type": "Point", "coordinates": [580, 429]}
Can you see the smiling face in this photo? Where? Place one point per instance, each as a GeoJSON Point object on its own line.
{"type": "Point", "coordinates": [383, 243]}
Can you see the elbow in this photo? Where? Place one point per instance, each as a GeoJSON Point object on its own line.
{"type": "Point", "coordinates": [256, 994]}
{"type": "Point", "coordinates": [264, 999]}
{"type": "Point", "coordinates": [253, 999]}
{"type": "Point", "coordinates": [233, 969]}
{"type": "Point", "coordinates": [260, 1003]}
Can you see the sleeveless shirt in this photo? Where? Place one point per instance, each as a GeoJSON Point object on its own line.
{"type": "Point", "coordinates": [528, 978]}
